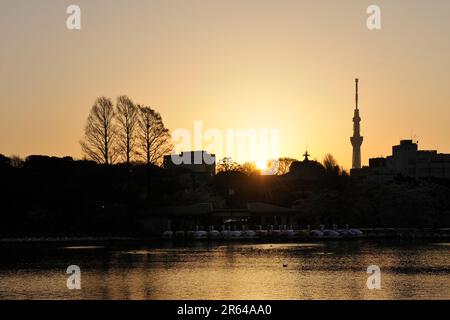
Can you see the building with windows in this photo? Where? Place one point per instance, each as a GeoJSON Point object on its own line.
{"type": "Point", "coordinates": [407, 160]}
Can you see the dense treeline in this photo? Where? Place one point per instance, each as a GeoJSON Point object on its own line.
{"type": "Point", "coordinates": [60, 196]}
{"type": "Point", "coordinates": [337, 198]}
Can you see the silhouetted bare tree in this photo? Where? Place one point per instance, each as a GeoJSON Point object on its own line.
{"type": "Point", "coordinates": [16, 161]}
{"type": "Point", "coordinates": [249, 168]}
{"type": "Point", "coordinates": [127, 120]}
{"type": "Point", "coordinates": [99, 133]}
{"type": "Point", "coordinates": [227, 164]}
{"type": "Point", "coordinates": [154, 137]}
{"type": "Point", "coordinates": [330, 164]}
{"type": "Point", "coordinates": [284, 164]}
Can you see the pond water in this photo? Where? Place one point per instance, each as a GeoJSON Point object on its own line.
{"type": "Point", "coordinates": [321, 270]}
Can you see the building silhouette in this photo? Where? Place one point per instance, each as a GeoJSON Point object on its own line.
{"type": "Point", "coordinates": [199, 162]}
{"type": "Point", "coordinates": [306, 169]}
{"type": "Point", "coordinates": [407, 160]}
{"type": "Point", "coordinates": [356, 139]}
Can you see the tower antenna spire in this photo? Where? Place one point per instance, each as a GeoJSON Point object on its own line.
{"type": "Point", "coordinates": [356, 139]}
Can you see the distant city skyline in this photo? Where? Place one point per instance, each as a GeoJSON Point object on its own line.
{"type": "Point", "coordinates": [283, 64]}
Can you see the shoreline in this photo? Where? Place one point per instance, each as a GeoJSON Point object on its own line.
{"type": "Point", "coordinates": [410, 234]}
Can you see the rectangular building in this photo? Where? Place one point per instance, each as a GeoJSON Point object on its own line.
{"type": "Point", "coordinates": [407, 160]}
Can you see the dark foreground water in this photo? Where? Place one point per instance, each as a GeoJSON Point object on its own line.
{"type": "Point", "coordinates": [328, 270]}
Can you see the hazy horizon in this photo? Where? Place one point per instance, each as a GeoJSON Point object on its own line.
{"type": "Point", "coordinates": [285, 64]}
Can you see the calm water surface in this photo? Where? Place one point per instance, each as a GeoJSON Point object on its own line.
{"type": "Point", "coordinates": [328, 270]}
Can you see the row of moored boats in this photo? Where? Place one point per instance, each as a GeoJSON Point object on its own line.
{"type": "Point", "coordinates": [228, 233]}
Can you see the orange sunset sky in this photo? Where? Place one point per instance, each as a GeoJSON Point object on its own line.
{"type": "Point", "coordinates": [284, 64]}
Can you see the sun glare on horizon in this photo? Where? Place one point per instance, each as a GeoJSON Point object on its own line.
{"type": "Point", "coordinates": [261, 164]}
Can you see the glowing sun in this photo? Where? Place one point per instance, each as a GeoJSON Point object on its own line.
{"type": "Point", "coordinates": [261, 164]}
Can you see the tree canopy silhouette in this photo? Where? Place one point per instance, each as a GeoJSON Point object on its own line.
{"type": "Point", "coordinates": [100, 133]}
{"type": "Point", "coordinates": [127, 121]}
{"type": "Point", "coordinates": [249, 168]}
{"type": "Point", "coordinates": [284, 165]}
{"type": "Point", "coordinates": [128, 133]}
{"type": "Point", "coordinates": [154, 137]}
{"type": "Point", "coordinates": [227, 164]}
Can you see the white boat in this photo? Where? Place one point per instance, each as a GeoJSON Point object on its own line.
{"type": "Point", "coordinates": [199, 235]}
{"type": "Point", "coordinates": [235, 234]}
{"type": "Point", "coordinates": [316, 233]}
{"type": "Point", "coordinates": [214, 234]}
{"type": "Point", "coordinates": [288, 233]}
{"type": "Point", "coordinates": [350, 232]}
{"type": "Point", "coordinates": [356, 232]}
{"type": "Point", "coordinates": [248, 234]}
{"type": "Point", "coordinates": [327, 233]}
{"type": "Point", "coordinates": [168, 234]}
{"type": "Point", "coordinates": [344, 232]}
